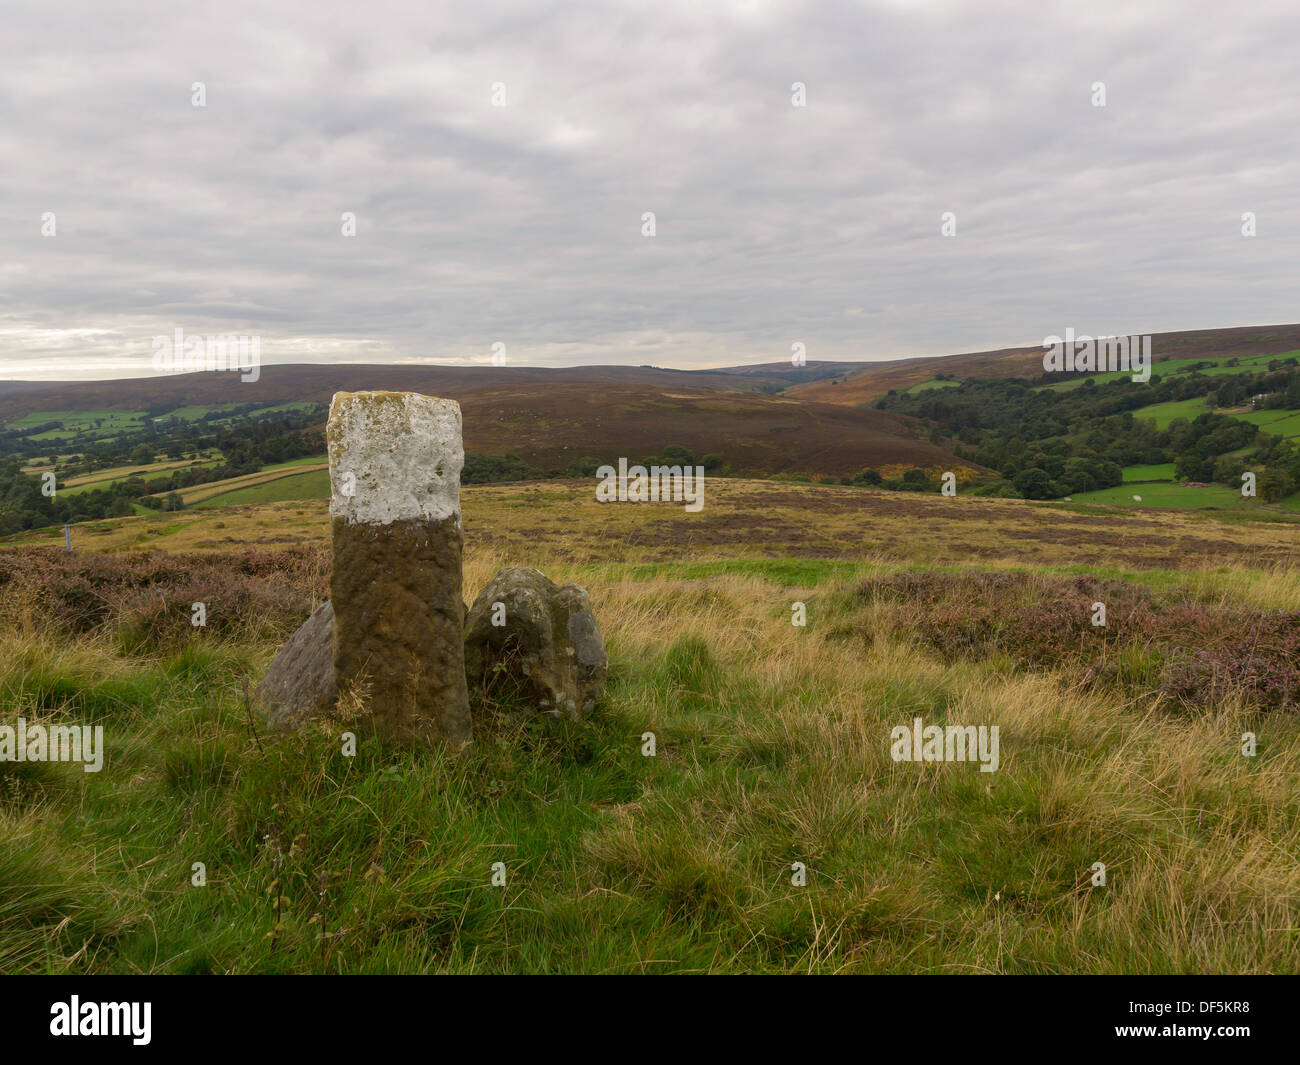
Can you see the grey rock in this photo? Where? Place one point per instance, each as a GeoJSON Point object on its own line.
{"type": "Point", "coordinates": [549, 644]}
{"type": "Point", "coordinates": [300, 683]}
{"type": "Point", "coordinates": [550, 647]}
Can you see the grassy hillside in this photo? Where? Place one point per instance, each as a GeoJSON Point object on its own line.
{"type": "Point", "coordinates": [1118, 745]}
{"type": "Point", "coordinates": [103, 478]}
{"type": "Point", "coordinates": [1154, 494]}
{"type": "Point", "coordinates": [755, 434]}
{"type": "Point", "coordinates": [763, 419]}
{"type": "Point", "coordinates": [1164, 413]}
{"type": "Point", "coordinates": [296, 486]}
{"type": "Point", "coordinates": [311, 383]}
{"type": "Point", "coordinates": [749, 520]}
{"type": "Point", "coordinates": [204, 493]}
{"type": "Point", "coordinates": [1171, 349]}
{"type": "Point", "coordinates": [555, 424]}
{"type": "Point", "coordinates": [1217, 365]}
{"type": "Point", "coordinates": [1155, 471]}
{"type": "Point", "coordinates": [865, 385]}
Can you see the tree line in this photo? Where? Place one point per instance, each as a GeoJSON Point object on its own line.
{"type": "Point", "coordinates": [1046, 444]}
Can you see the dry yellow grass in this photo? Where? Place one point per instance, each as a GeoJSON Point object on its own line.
{"type": "Point", "coordinates": [754, 519]}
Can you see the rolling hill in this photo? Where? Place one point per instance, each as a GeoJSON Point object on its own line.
{"type": "Point", "coordinates": [875, 379]}
{"type": "Point", "coordinates": [316, 383]}
{"type": "Point", "coordinates": [763, 419]}
{"type": "Point", "coordinates": [552, 417]}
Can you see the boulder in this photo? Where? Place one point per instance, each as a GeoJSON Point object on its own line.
{"type": "Point", "coordinates": [300, 683]}
{"type": "Point", "coordinates": [543, 636]}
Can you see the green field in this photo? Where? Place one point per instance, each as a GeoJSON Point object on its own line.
{"type": "Point", "coordinates": [1160, 471]}
{"type": "Point", "coordinates": [194, 413]}
{"type": "Point", "coordinates": [75, 418]}
{"type": "Point", "coordinates": [1245, 364]}
{"type": "Point", "coordinates": [1164, 413]}
{"type": "Point", "coordinates": [1275, 422]}
{"type": "Point", "coordinates": [302, 484]}
{"type": "Point", "coordinates": [927, 386]}
{"type": "Point", "coordinates": [76, 422]}
{"type": "Point", "coordinates": [112, 423]}
{"type": "Point", "coordinates": [81, 489]}
{"type": "Point", "coordinates": [313, 485]}
{"type": "Point", "coordinates": [1166, 495]}
{"type": "Point", "coordinates": [1176, 367]}
{"type": "Point", "coordinates": [107, 478]}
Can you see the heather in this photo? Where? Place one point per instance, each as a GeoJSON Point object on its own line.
{"type": "Point", "coordinates": [148, 596]}
{"type": "Point", "coordinates": [1173, 647]}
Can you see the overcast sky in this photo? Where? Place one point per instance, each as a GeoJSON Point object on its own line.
{"type": "Point", "coordinates": [523, 223]}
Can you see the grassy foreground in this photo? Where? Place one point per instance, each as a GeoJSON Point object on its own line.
{"type": "Point", "coordinates": [1119, 745]}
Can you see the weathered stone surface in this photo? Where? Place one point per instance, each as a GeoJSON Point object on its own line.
{"type": "Point", "coordinates": [395, 640]}
{"type": "Point", "coordinates": [300, 683]}
{"type": "Point", "coordinates": [299, 686]}
{"type": "Point", "coordinates": [549, 643]}
{"type": "Point", "coordinates": [403, 452]}
{"type": "Point", "coordinates": [395, 461]}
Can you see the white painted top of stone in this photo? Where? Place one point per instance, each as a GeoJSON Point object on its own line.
{"type": "Point", "coordinates": [399, 454]}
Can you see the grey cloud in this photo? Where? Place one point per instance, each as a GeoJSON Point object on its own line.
{"type": "Point", "coordinates": [522, 224]}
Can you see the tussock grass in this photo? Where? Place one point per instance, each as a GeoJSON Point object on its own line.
{"type": "Point", "coordinates": [772, 749]}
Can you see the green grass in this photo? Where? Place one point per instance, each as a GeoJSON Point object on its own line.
{"type": "Point", "coordinates": [80, 489]}
{"type": "Point", "coordinates": [1284, 423]}
{"type": "Point", "coordinates": [1166, 495]}
{"type": "Point", "coordinates": [75, 418]}
{"type": "Point", "coordinates": [785, 572]}
{"type": "Point", "coordinates": [772, 748]}
{"type": "Point", "coordinates": [927, 386]}
{"type": "Point", "coordinates": [78, 422]}
{"type": "Point", "coordinates": [81, 423]}
{"type": "Point", "coordinates": [1159, 471]}
{"type": "Point", "coordinates": [1277, 422]}
{"type": "Point", "coordinates": [197, 411]}
{"type": "Point", "coordinates": [1174, 368]}
{"type": "Point", "coordinates": [1164, 413]}
{"type": "Point", "coordinates": [158, 469]}
{"type": "Point", "coordinates": [313, 485]}
{"type": "Point", "coordinates": [1248, 364]}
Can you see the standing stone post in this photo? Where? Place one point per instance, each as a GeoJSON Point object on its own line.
{"type": "Point", "coordinates": [395, 461]}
